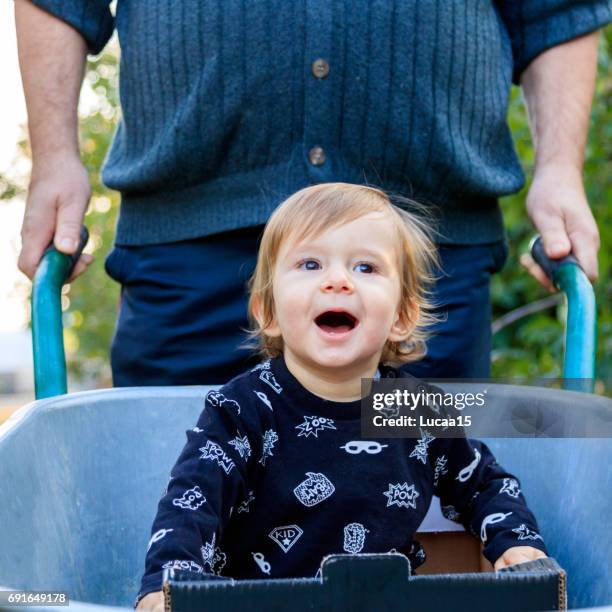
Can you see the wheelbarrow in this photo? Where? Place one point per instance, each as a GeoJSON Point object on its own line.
{"type": "Point", "coordinates": [82, 473]}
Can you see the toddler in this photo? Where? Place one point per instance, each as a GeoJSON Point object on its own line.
{"type": "Point", "coordinates": [275, 475]}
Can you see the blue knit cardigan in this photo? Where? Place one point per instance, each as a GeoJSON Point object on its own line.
{"type": "Point", "coordinates": [222, 108]}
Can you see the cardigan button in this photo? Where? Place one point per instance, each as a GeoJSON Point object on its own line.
{"type": "Point", "coordinates": [316, 156]}
{"type": "Point", "coordinates": [320, 68]}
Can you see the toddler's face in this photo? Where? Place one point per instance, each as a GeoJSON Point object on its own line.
{"type": "Point", "coordinates": [337, 296]}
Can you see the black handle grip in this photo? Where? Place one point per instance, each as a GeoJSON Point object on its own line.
{"type": "Point", "coordinates": [550, 266]}
{"type": "Point", "coordinates": [83, 238]}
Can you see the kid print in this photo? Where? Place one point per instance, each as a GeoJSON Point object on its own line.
{"type": "Point", "coordinates": [286, 536]}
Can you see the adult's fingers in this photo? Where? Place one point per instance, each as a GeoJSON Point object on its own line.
{"type": "Point", "coordinates": [36, 232]}
{"type": "Point", "coordinates": [536, 271]}
{"type": "Point", "coordinates": [585, 244]}
{"type": "Point", "coordinates": [554, 234]}
{"type": "Point", "coordinates": [84, 262]}
{"type": "Point", "coordinates": [68, 225]}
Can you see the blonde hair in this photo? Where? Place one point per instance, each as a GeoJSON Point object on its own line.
{"type": "Point", "coordinates": [310, 212]}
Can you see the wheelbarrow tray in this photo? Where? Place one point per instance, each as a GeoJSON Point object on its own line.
{"type": "Point", "coordinates": [82, 474]}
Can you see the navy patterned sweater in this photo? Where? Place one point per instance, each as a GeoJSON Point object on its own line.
{"type": "Point", "coordinates": [273, 478]}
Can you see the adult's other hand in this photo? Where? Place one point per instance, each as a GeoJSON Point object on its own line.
{"type": "Point", "coordinates": [57, 199]}
{"type": "Point", "coordinates": [558, 208]}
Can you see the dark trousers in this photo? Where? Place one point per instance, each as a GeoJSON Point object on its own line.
{"type": "Point", "coordinates": [183, 309]}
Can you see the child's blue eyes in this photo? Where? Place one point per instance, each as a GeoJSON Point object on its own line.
{"type": "Point", "coordinates": [365, 267]}
{"type": "Point", "coordinates": [309, 264]}
{"type": "Point", "coordinates": [312, 264]}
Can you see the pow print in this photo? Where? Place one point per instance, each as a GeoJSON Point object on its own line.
{"type": "Point", "coordinates": [491, 519]}
{"type": "Point", "coordinates": [264, 398]}
{"type": "Point", "coordinates": [312, 425]}
{"type": "Point", "coordinates": [511, 487]}
{"type": "Point", "coordinates": [420, 450]}
{"type": "Point", "coordinates": [218, 400]}
{"type": "Point", "coordinates": [402, 495]}
{"type": "Point", "coordinates": [157, 536]}
{"type": "Point", "coordinates": [268, 377]}
{"type": "Point", "coordinates": [269, 439]}
{"type": "Point", "coordinates": [315, 489]}
{"type": "Point", "coordinates": [354, 537]}
{"type": "Point", "coordinates": [241, 444]}
{"type": "Point", "coordinates": [524, 533]}
{"type": "Point", "coordinates": [468, 470]}
{"type": "Point", "coordinates": [440, 469]}
{"type": "Point", "coordinates": [213, 556]}
{"type": "Point", "coordinates": [244, 506]}
{"type": "Point", "coordinates": [450, 513]}
{"type": "Point", "coordinates": [286, 536]}
{"type": "Point", "coordinates": [191, 499]}
{"type": "Point", "coordinates": [214, 452]}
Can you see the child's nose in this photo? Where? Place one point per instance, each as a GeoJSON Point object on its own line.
{"type": "Point", "coordinates": [337, 281]}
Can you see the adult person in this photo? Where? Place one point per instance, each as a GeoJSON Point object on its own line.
{"type": "Point", "coordinates": [228, 107]}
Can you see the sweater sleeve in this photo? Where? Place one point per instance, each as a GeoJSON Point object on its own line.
{"type": "Point", "coordinates": [209, 479]}
{"type": "Point", "coordinates": [537, 25]}
{"type": "Point", "coordinates": [91, 18]}
{"type": "Point", "coordinates": [479, 493]}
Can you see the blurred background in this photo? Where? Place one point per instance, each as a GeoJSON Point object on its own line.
{"type": "Point", "coordinates": [528, 327]}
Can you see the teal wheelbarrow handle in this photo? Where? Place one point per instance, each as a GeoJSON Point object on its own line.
{"type": "Point", "coordinates": [581, 325]}
{"type": "Point", "coordinates": [53, 271]}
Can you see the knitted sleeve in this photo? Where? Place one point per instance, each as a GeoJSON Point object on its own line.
{"type": "Point", "coordinates": [537, 25]}
{"type": "Point", "coordinates": [91, 18]}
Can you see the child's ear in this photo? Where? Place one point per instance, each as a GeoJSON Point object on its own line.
{"type": "Point", "coordinates": [272, 329]}
{"type": "Point", "coordinates": [404, 323]}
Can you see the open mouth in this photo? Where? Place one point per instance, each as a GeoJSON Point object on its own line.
{"type": "Point", "coordinates": [336, 322]}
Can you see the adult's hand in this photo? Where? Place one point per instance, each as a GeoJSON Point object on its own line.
{"type": "Point", "coordinates": [52, 61]}
{"type": "Point", "coordinates": [558, 208]}
{"type": "Point", "coordinates": [558, 88]}
{"type": "Point", "coordinates": [57, 199]}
